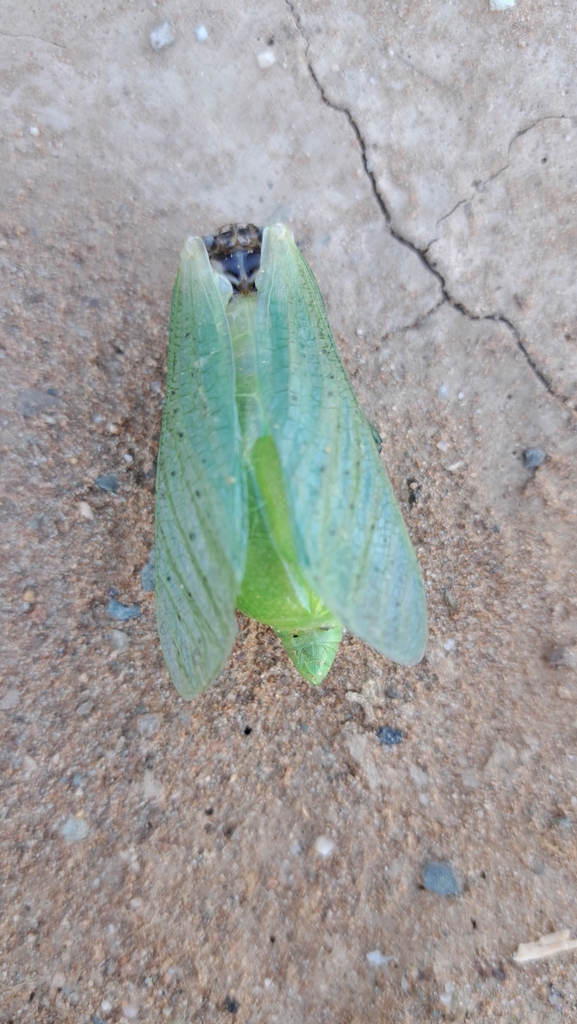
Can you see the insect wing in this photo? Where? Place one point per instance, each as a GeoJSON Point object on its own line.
{"type": "Point", "coordinates": [201, 525]}
{"type": "Point", "coordinates": [349, 534]}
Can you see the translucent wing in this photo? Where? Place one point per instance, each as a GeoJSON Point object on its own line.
{"type": "Point", "coordinates": [349, 534]}
{"type": "Point", "coordinates": [201, 525]}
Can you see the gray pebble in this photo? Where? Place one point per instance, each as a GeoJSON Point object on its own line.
{"type": "Point", "coordinates": [75, 829]}
{"type": "Point", "coordinates": [148, 725]}
{"type": "Point", "coordinates": [30, 402]}
{"type": "Point", "coordinates": [108, 482]}
{"type": "Point", "coordinates": [85, 707]}
{"type": "Point", "coordinates": [533, 457]}
{"type": "Point", "coordinates": [118, 640]}
{"type": "Point", "coordinates": [11, 699]}
{"type": "Point", "coordinates": [565, 656]}
{"type": "Point", "coordinates": [147, 574]}
{"type": "Point", "coordinates": [162, 36]}
{"type": "Point", "coordinates": [440, 878]}
{"type": "Point", "coordinates": [123, 612]}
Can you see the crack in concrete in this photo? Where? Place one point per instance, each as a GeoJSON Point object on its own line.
{"type": "Point", "coordinates": [417, 322]}
{"type": "Point", "coordinates": [421, 254]}
{"type": "Point", "coordinates": [481, 185]}
{"type": "Point", "coordinates": [529, 127]}
{"type": "Point", "coordinates": [38, 39]}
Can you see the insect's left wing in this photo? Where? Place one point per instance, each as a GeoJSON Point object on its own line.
{"type": "Point", "coordinates": [350, 538]}
{"type": "Point", "coordinates": [201, 519]}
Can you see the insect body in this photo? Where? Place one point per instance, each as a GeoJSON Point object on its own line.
{"type": "Point", "coordinates": [271, 497]}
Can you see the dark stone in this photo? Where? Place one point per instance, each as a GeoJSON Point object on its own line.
{"type": "Point", "coordinates": [533, 457]}
{"type": "Point", "coordinates": [123, 612]}
{"type": "Point", "coordinates": [108, 482]}
{"type": "Point", "coordinates": [389, 737]}
{"type": "Point", "coordinates": [31, 402]}
{"type": "Point", "coordinates": [440, 879]}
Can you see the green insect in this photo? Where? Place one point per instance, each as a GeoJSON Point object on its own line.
{"type": "Point", "coordinates": [271, 496]}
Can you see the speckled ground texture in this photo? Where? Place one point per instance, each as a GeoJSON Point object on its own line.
{"type": "Point", "coordinates": [159, 860]}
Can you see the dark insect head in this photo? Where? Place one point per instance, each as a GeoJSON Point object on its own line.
{"type": "Point", "coordinates": [414, 491]}
{"type": "Point", "coordinates": [234, 252]}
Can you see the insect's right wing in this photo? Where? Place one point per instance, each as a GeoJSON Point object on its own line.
{"type": "Point", "coordinates": [201, 517]}
{"type": "Point", "coordinates": [349, 534]}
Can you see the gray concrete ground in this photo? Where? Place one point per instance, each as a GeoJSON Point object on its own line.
{"type": "Point", "coordinates": [159, 859]}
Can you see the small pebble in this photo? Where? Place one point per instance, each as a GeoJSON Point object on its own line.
{"type": "Point", "coordinates": [58, 980]}
{"type": "Point", "coordinates": [440, 879]}
{"type": "Point", "coordinates": [162, 36]}
{"type": "Point", "coordinates": [201, 34]}
{"type": "Point", "coordinates": [324, 846]}
{"type": "Point", "coordinates": [34, 131]}
{"type": "Point", "coordinates": [75, 829]}
{"type": "Point", "coordinates": [85, 510]}
{"type": "Point", "coordinates": [533, 457]}
{"type": "Point", "coordinates": [148, 725]}
{"type": "Point", "coordinates": [389, 737]}
{"type": "Point", "coordinates": [118, 640]}
{"type": "Point", "coordinates": [11, 699]}
{"type": "Point", "coordinates": [123, 612]}
{"type": "Point", "coordinates": [376, 958]}
{"type": "Point", "coordinates": [85, 707]}
{"type": "Point", "coordinates": [105, 1006]}
{"type": "Point", "coordinates": [31, 402]}
{"type": "Point", "coordinates": [449, 645]}
{"type": "Point", "coordinates": [231, 1005]}
{"type": "Point", "coordinates": [566, 656]}
{"type": "Point", "coordinates": [108, 482]}
{"type": "Point", "coordinates": [130, 1011]}
{"type": "Point", "coordinates": [443, 391]}
{"type": "Point", "coordinates": [147, 574]}
{"type": "Point", "coordinates": [501, 5]}
{"type": "Point", "coordinates": [266, 59]}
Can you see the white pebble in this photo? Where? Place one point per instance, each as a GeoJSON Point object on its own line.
{"type": "Point", "coordinates": [442, 446]}
{"type": "Point", "coordinates": [449, 645]}
{"type": "Point", "coordinates": [34, 131]}
{"type": "Point", "coordinates": [130, 1011]}
{"type": "Point", "coordinates": [162, 36]}
{"type": "Point", "coordinates": [501, 5]}
{"type": "Point", "coordinates": [443, 391]}
{"type": "Point", "coordinates": [324, 846]}
{"type": "Point", "coordinates": [266, 59]}
{"type": "Point", "coordinates": [85, 510]}
{"type": "Point", "coordinates": [105, 1006]}
{"type": "Point", "coordinates": [201, 34]}
{"type": "Point", "coordinates": [75, 830]}
{"type": "Point", "coordinates": [376, 958]}
{"type": "Point", "coordinates": [267, 982]}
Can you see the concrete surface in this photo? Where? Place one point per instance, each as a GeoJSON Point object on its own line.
{"type": "Point", "coordinates": [160, 860]}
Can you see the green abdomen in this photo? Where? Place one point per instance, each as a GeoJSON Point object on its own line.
{"type": "Point", "coordinates": [274, 590]}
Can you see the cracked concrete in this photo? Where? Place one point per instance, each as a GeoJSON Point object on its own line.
{"type": "Point", "coordinates": [423, 252]}
{"type": "Point", "coordinates": [424, 156]}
